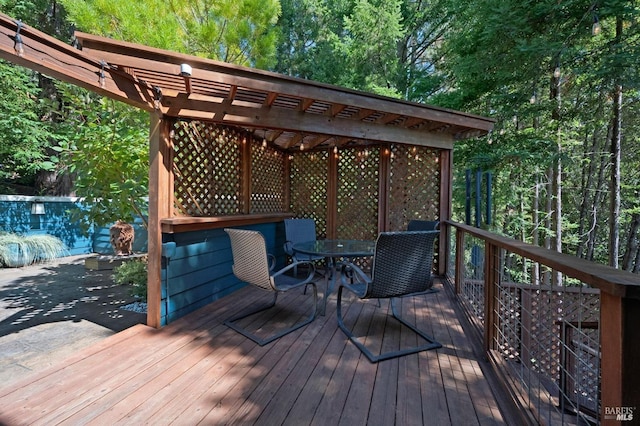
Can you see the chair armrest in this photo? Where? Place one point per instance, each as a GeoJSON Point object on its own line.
{"type": "Point", "coordinates": [271, 259]}
{"type": "Point", "coordinates": [351, 273]}
{"type": "Point", "coordinates": [288, 248]}
{"type": "Point", "coordinates": [310, 276]}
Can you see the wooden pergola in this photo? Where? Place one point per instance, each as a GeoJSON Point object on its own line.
{"type": "Point", "coordinates": [276, 130]}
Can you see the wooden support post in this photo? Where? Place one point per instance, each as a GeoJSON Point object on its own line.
{"type": "Point", "coordinates": [245, 162]}
{"type": "Point", "coordinates": [332, 196]}
{"type": "Point", "coordinates": [620, 369]}
{"type": "Point", "coordinates": [160, 206]}
{"type": "Point", "coordinates": [459, 271]}
{"type": "Point", "coordinates": [446, 185]}
{"type": "Point", "coordinates": [286, 197]}
{"type": "Point", "coordinates": [383, 188]}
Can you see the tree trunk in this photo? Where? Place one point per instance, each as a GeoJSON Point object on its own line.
{"type": "Point", "coordinates": [632, 243]}
{"type": "Point", "coordinates": [614, 228]}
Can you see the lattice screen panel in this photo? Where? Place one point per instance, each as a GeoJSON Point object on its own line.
{"type": "Point", "coordinates": [550, 308]}
{"type": "Point", "coordinates": [267, 180]}
{"type": "Point", "coordinates": [207, 169]}
{"type": "Point", "coordinates": [309, 188]}
{"type": "Point", "coordinates": [358, 194]}
{"type": "Point", "coordinates": [414, 185]}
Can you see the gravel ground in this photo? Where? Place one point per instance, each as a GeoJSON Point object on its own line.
{"type": "Point", "coordinates": [49, 311]}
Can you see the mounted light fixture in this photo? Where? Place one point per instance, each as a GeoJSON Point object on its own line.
{"type": "Point", "coordinates": [185, 70]}
{"type": "Point", "coordinates": [18, 45]}
{"type": "Point", "coordinates": [37, 208]}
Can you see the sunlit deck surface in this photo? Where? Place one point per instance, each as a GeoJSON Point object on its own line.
{"type": "Point", "coordinates": [198, 371]}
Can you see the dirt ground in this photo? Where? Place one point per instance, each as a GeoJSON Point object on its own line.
{"type": "Point", "coordinates": [49, 311]}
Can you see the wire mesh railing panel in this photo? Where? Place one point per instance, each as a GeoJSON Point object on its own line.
{"type": "Point", "coordinates": [472, 287]}
{"type": "Point", "coordinates": [546, 330]}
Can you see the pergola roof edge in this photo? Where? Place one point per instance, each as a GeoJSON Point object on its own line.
{"type": "Point", "coordinates": [313, 89]}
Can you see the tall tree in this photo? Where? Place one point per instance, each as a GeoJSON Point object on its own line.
{"type": "Point", "coordinates": [237, 31]}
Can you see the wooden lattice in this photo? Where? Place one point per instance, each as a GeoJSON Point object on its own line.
{"type": "Point", "coordinates": [358, 187]}
{"type": "Point", "coordinates": [309, 188]}
{"type": "Point", "coordinates": [267, 179]}
{"type": "Point", "coordinates": [414, 185]}
{"type": "Point", "coordinates": [207, 170]}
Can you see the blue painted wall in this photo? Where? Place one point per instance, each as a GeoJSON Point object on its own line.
{"type": "Point", "coordinates": [199, 272]}
{"type": "Point", "coordinates": [15, 216]}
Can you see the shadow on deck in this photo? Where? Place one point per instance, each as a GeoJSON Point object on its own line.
{"type": "Point", "coordinates": [196, 370]}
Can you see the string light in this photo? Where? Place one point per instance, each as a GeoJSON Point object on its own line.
{"type": "Point", "coordinates": [18, 45]}
{"type": "Point", "coordinates": [596, 28]}
{"type": "Point", "coordinates": [157, 97]}
{"type": "Point", "coordinates": [533, 98]}
{"type": "Point", "coordinates": [102, 79]}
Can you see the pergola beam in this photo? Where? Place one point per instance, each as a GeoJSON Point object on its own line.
{"type": "Point", "coordinates": [226, 112]}
{"type": "Point", "coordinates": [63, 62]}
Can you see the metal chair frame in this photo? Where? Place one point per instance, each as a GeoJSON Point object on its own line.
{"type": "Point", "coordinates": [251, 265]}
{"type": "Point", "coordinates": [402, 265]}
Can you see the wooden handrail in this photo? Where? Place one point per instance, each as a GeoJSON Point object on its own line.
{"type": "Point", "coordinates": [619, 310]}
{"type": "Point", "coordinates": [611, 280]}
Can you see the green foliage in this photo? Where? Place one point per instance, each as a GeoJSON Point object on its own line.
{"type": "Point", "coordinates": [20, 250]}
{"type": "Point", "coordinates": [236, 31]}
{"type": "Point", "coordinates": [24, 137]}
{"type": "Point", "coordinates": [104, 144]}
{"type": "Point", "coordinates": [133, 273]}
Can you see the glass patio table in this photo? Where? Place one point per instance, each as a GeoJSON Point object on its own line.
{"type": "Point", "coordinates": [333, 251]}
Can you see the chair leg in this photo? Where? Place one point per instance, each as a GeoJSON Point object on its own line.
{"type": "Point", "coordinates": [263, 341]}
{"type": "Point", "coordinates": [432, 344]}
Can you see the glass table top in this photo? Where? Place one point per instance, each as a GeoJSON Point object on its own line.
{"type": "Point", "coordinates": [336, 248]}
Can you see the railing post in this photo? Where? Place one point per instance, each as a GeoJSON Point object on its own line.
{"type": "Point", "coordinates": [620, 365]}
{"type": "Point", "coordinates": [459, 266]}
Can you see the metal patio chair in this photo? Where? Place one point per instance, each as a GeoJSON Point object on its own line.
{"type": "Point", "coordinates": [402, 264]}
{"type": "Point", "coordinates": [423, 225]}
{"type": "Point", "coordinates": [251, 264]}
{"type": "Point", "coordinates": [299, 231]}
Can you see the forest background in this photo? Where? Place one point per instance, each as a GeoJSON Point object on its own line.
{"type": "Point", "coordinates": [560, 77]}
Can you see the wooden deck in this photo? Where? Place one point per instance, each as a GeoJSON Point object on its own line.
{"type": "Point", "coordinates": [198, 371]}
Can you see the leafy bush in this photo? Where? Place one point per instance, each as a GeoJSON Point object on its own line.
{"type": "Point", "coordinates": [20, 250]}
{"type": "Point", "coordinates": [133, 273]}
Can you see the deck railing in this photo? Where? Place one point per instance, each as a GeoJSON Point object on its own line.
{"type": "Point", "coordinates": [562, 333]}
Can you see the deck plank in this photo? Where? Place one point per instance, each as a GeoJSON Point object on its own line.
{"type": "Point", "coordinates": [198, 370]}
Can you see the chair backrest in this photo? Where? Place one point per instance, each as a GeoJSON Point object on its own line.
{"type": "Point", "coordinates": [250, 260]}
{"type": "Point", "coordinates": [402, 263]}
{"type": "Point", "coordinates": [298, 231]}
{"type": "Point", "coordinates": [423, 225]}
